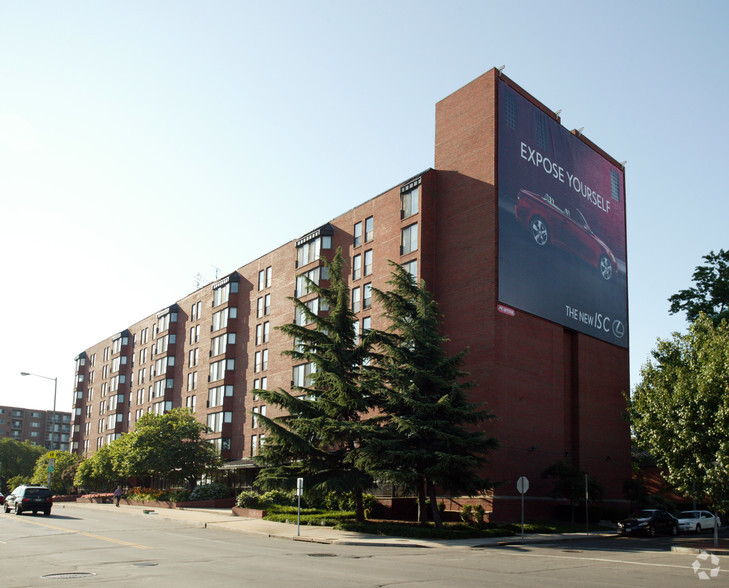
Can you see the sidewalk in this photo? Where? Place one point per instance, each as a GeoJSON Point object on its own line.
{"type": "Point", "coordinates": [224, 519]}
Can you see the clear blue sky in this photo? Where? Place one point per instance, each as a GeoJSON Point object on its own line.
{"type": "Point", "coordinates": [144, 142]}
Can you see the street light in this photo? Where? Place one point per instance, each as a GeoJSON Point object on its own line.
{"type": "Point", "coordinates": [55, 390]}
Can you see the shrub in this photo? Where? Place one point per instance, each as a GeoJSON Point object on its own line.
{"type": "Point", "coordinates": [279, 497]}
{"type": "Point", "coordinates": [249, 499]}
{"type": "Point", "coordinates": [180, 496]}
{"type": "Point", "coordinates": [478, 514]}
{"type": "Point", "coordinates": [466, 513]}
{"type": "Point", "coordinates": [210, 492]}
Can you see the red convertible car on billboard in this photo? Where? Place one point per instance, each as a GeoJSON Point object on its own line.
{"type": "Point", "coordinates": [548, 224]}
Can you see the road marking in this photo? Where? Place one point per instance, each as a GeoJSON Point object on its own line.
{"type": "Point", "coordinates": [603, 560]}
{"type": "Point", "coordinates": [91, 535]}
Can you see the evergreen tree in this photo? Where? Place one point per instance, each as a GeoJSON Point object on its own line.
{"type": "Point", "coordinates": [427, 435]}
{"type": "Point", "coordinates": [323, 426]}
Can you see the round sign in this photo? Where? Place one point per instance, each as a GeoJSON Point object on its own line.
{"type": "Point", "coordinates": [522, 485]}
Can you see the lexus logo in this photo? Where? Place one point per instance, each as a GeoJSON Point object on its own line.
{"type": "Point", "coordinates": [618, 329]}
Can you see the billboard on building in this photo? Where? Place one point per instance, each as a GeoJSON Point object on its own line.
{"type": "Point", "coordinates": [562, 248]}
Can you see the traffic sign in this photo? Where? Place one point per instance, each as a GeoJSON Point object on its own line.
{"type": "Point", "coordinates": [522, 485]}
{"type": "Point", "coordinates": [52, 455]}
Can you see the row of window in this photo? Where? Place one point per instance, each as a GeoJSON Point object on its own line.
{"type": "Point", "coordinates": [369, 231]}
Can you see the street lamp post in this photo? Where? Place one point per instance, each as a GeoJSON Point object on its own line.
{"type": "Point", "coordinates": [53, 414]}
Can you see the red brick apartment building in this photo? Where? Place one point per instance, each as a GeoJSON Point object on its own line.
{"type": "Point", "coordinates": [519, 231]}
{"type": "Point", "coordinates": [26, 424]}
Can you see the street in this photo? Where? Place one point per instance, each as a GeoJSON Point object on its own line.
{"type": "Point", "coordinates": [102, 545]}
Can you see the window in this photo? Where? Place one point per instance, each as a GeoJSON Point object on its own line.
{"type": "Point", "coordinates": [267, 305]}
{"type": "Point", "coordinates": [259, 334]}
{"type": "Point", "coordinates": [411, 267]}
{"type": "Point", "coordinates": [163, 343]}
{"type": "Point", "coordinates": [217, 395]}
{"type": "Point", "coordinates": [311, 250]}
{"type": "Point", "coordinates": [217, 369]}
{"type": "Point", "coordinates": [409, 202]}
{"type": "Point", "coordinates": [409, 239]}
{"type": "Point", "coordinates": [369, 229]}
{"type": "Point", "coordinates": [269, 276]}
{"type": "Point", "coordinates": [266, 331]}
{"type": "Point", "coordinates": [356, 267]}
{"type": "Point", "coordinates": [257, 362]}
{"type": "Point", "coordinates": [367, 296]}
{"type": "Point", "coordinates": [368, 262]}
{"type": "Point", "coordinates": [163, 322]}
{"type": "Point", "coordinates": [192, 381]}
{"type": "Point", "coordinates": [264, 360]}
{"type": "Point", "coordinates": [259, 308]}
{"type": "Point", "coordinates": [192, 357]}
{"type": "Point", "coordinates": [302, 285]}
{"type": "Point", "coordinates": [220, 318]}
{"type": "Point", "coordinates": [355, 299]}
{"type": "Point", "coordinates": [355, 327]}
{"type": "Point", "coordinates": [254, 445]}
{"type": "Point", "coordinates": [357, 234]}
{"type": "Point", "coordinates": [366, 324]}
{"type": "Point", "coordinates": [190, 402]}
{"type": "Point", "coordinates": [261, 279]}
{"type": "Point", "coordinates": [300, 316]}
{"type": "Point", "coordinates": [216, 420]}
{"type": "Point", "coordinates": [194, 312]}
{"type": "Point", "coordinates": [218, 345]}
{"type": "Point", "coordinates": [221, 295]}
{"type": "Point", "coordinates": [302, 374]}
{"type": "Point", "coordinates": [254, 420]}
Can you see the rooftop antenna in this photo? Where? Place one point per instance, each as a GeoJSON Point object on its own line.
{"type": "Point", "coordinates": [199, 279]}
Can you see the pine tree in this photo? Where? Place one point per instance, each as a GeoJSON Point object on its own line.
{"type": "Point", "coordinates": [323, 426]}
{"type": "Point", "coordinates": [427, 435]}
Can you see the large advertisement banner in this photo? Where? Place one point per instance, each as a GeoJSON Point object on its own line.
{"type": "Point", "coordinates": [562, 251]}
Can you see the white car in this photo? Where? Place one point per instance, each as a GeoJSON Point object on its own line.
{"type": "Point", "coordinates": [697, 520]}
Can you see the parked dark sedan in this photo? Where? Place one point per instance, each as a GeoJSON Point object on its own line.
{"type": "Point", "coordinates": [649, 522]}
{"type": "Point", "coordinates": [548, 224]}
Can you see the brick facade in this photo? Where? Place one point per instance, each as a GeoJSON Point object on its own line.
{"type": "Point", "coordinates": [556, 393]}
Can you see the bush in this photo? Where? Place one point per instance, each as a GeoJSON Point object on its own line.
{"type": "Point", "coordinates": [210, 492]}
{"type": "Point", "coordinates": [180, 496]}
{"type": "Point", "coordinates": [478, 514]}
{"type": "Point", "coordinates": [466, 513]}
{"type": "Point", "coordinates": [249, 499]}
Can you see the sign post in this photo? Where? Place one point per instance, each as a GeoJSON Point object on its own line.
{"type": "Point", "coordinates": [522, 485]}
{"type": "Point", "coordinates": [299, 492]}
{"type": "Point", "coordinates": [51, 465]}
{"type": "Point", "coordinates": [587, 508]}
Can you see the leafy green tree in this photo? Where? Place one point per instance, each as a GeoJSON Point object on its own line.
{"type": "Point", "coordinates": [323, 425]}
{"type": "Point", "coordinates": [166, 445]}
{"type": "Point", "coordinates": [17, 459]}
{"type": "Point", "coordinates": [569, 483]}
{"type": "Point", "coordinates": [680, 410]}
{"type": "Point", "coordinates": [710, 294]}
{"type": "Point", "coordinates": [63, 474]}
{"type": "Point", "coordinates": [98, 472]}
{"type": "Point", "coordinates": [428, 433]}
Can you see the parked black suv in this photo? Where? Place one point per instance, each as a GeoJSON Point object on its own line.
{"type": "Point", "coordinates": [29, 498]}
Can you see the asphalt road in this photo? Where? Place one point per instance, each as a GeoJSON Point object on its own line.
{"type": "Point", "coordinates": [78, 546]}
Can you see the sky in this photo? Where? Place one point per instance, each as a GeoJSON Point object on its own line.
{"type": "Point", "coordinates": [144, 143]}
